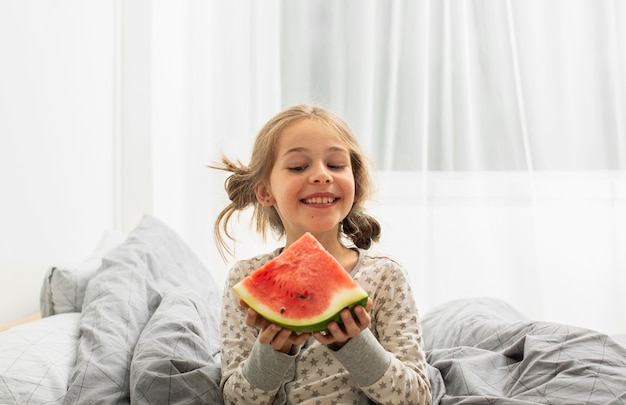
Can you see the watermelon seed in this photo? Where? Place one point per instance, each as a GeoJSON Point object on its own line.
{"type": "Point", "coordinates": [282, 310]}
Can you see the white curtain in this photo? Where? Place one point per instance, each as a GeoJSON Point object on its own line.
{"type": "Point", "coordinates": [498, 130]}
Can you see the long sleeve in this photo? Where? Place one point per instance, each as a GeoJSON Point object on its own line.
{"type": "Point", "coordinates": [395, 324]}
{"type": "Point", "coordinates": [251, 373]}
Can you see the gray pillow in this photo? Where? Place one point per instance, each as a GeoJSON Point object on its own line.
{"type": "Point", "coordinates": [120, 300]}
{"type": "Point", "coordinates": [63, 288]}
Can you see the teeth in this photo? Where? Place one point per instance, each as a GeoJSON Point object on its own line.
{"type": "Point", "coordinates": [319, 200]}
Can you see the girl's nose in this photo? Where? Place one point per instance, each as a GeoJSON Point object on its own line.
{"type": "Point", "coordinates": [320, 174]}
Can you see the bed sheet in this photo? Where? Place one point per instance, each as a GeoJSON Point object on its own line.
{"type": "Point", "coordinates": [486, 352]}
{"type": "Point", "coordinates": [36, 360]}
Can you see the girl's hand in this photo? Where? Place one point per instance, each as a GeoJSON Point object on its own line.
{"type": "Point", "coordinates": [279, 338]}
{"type": "Point", "coordinates": [338, 335]}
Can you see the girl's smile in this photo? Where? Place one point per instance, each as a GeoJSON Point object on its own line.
{"type": "Point", "coordinates": [320, 200]}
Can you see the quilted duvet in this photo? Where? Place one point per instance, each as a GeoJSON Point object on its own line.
{"type": "Point", "coordinates": [485, 352]}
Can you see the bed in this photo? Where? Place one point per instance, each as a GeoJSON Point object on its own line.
{"type": "Point", "coordinates": [139, 324]}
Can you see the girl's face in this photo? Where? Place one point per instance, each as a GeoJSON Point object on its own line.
{"type": "Point", "coordinates": [311, 184]}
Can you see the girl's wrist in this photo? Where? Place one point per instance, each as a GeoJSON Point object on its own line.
{"type": "Point", "coordinates": [337, 345]}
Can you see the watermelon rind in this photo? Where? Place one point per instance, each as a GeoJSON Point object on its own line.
{"type": "Point", "coordinates": [323, 326]}
{"type": "Point", "coordinates": [358, 297]}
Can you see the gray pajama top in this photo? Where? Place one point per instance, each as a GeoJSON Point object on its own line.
{"type": "Point", "coordinates": [384, 364]}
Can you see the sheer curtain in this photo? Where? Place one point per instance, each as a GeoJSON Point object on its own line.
{"type": "Point", "coordinates": [498, 131]}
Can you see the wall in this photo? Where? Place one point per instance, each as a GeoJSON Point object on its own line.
{"type": "Point", "coordinates": [57, 140]}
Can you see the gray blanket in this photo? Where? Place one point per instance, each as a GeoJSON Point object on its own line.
{"type": "Point", "coordinates": [483, 351]}
{"type": "Point", "coordinates": [149, 325]}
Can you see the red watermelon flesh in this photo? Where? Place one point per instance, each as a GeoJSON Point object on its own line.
{"type": "Point", "coordinates": [302, 289]}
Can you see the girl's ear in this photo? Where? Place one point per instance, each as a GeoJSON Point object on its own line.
{"type": "Point", "coordinates": [263, 195]}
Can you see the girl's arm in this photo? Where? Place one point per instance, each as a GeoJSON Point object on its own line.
{"type": "Point", "coordinates": [388, 360]}
{"type": "Point", "coordinates": [252, 373]}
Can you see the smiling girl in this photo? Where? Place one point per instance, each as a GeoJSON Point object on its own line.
{"type": "Point", "coordinates": [308, 174]}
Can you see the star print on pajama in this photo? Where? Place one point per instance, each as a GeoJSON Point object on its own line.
{"type": "Point", "coordinates": [385, 363]}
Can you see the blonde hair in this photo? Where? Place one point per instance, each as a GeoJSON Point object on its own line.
{"type": "Point", "coordinates": [361, 228]}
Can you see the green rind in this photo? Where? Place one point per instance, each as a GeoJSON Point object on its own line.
{"type": "Point", "coordinates": [323, 325]}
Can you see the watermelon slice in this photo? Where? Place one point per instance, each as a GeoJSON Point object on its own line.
{"type": "Point", "coordinates": [302, 289]}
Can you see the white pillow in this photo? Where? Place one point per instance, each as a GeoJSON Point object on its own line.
{"type": "Point", "coordinates": [63, 288]}
{"type": "Point", "coordinates": [36, 360]}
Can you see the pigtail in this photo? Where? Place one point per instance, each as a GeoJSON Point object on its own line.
{"type": "Point", "coordinates": [362, 229]}
{"type": "Point", "coordinates": [240, 190]}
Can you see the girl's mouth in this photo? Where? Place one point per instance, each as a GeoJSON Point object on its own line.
{"type": "Point", "coordinates": [319, 200]}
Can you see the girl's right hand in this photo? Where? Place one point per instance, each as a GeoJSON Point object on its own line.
{"type": "Point", "coordinates": [279, 338]}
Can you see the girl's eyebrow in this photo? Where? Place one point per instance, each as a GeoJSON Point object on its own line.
{"type": "Point", "coordinates": [298, 149]}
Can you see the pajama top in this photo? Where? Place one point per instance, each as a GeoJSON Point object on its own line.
{"type": "Point", "coordinates": [384, 364]}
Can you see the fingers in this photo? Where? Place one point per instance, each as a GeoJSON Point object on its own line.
{"type": "Point", "coordinates": [299, 339]}
{"type": "Point", "coordinates": [271, 334]}
{"type": "Point", "coordinates": [255, 320]}
{"type": "Point", "coordinates": [281, 339]}
{"type": "Point", "coordinates": [349, 328]}
{"type": "Point", "coordinates": [363, 315]}
{"type": "Point", "coordinates": [275, 336]}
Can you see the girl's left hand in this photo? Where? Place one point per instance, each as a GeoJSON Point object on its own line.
{"type": "Point", "coordinates": [271, 334]}
{"type": "Point", "coordinates": [338, 335]}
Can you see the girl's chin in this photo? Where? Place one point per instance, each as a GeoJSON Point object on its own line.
{"type": "Point", "coordinates": [320, 225]}
{"type": "Point", "coordinates": [316, 222]}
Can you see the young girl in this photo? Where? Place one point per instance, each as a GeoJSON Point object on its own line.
{"type": "Point", "coordinates": [308, 173]}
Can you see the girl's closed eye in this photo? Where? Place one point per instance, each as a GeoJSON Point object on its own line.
{"type": "Point", "coordinates": [337, 166]}
{"type": "Point", "coordinates": [301, 168]}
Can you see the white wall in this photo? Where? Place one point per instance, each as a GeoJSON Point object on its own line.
{"type": "Point", "coordinates": [57, 143]}
{"type": "Point", "coordinates": [93, 131]}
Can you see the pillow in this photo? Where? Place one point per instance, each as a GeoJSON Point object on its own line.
{"type": "Point", "coordinates": [63, 288]}
{"type": "Point", "coordinates": [36, 360]}
{"type": "Point", "coordinates": [120, 300]}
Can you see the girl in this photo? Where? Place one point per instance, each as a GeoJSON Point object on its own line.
{"type": "Point", "coordinates": [308, 173]}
